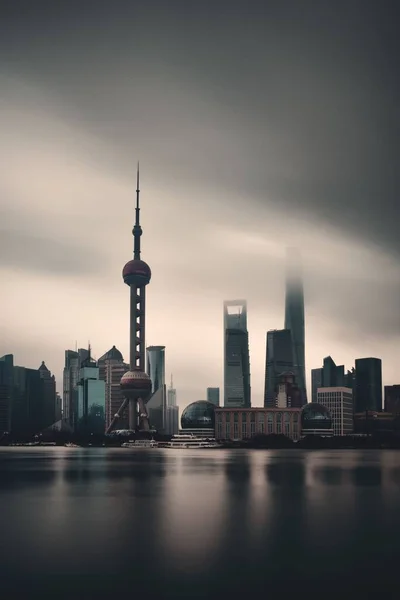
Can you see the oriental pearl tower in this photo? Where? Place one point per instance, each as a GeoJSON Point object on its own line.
{"type": "Point", "coordinates": [135, 383]}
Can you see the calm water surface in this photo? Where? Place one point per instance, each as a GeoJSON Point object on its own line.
{"type": "Point", "coordinates": [103, 523]}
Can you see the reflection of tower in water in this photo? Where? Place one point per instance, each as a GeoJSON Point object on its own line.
{"type": "Point", "coordinates": [135, 383]}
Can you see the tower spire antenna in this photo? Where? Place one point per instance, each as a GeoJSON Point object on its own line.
{"type": "Point", "coordinates": [137, 230]}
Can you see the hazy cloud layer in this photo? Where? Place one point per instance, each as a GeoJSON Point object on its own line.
{"type": "Point", "coordinates": [258, 125]}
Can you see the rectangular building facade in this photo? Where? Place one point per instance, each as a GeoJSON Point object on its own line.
{"type": "Point", "coordinates": [213, 395]}
{"type": "Point", "coordinates": [368, 384]}
{"type": "Point", "coordinates": [239, 424]}
{"type": "Point", "coordinates": [237, 390]}
{"type": "Point", "coordinates": [171, 420]}
{"type": "Point", "coordinates": [279, 359]}
{"type": "Point", "coordinates": [392, 399]}
{"type": "Point", "coordinates": [339, 402]}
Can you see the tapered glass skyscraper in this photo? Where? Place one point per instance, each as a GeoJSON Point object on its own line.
{"type": "Point", "coordinates": [294, 317]}
{"type": "Point", "coordinates": [236, 355]}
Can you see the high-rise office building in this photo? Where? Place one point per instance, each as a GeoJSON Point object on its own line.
{"type": "Point", "coordinates": [156, 366]}
{"type": "Point", "coordinates": [49, 395]}
{"type": "Point", "coordinates": [368, 385]}
{"type": "Point", "coordinates": [90, 408]}
{"type": "Point", "coordinates": [171, 394]}
{"type": "Point", "coordinates": [111, 368]}
{"type": "Point", "coordinates": [339, 402]}
{"type": "Point", "coordinates": [58, 409]}
{"type": "Point", "coordinates": [279, 359]}
{"type": "Point", "coordinates": [330, 375]}
{"type": "Point", "coordinates": [157, 404]}
{"type": "Point", "coordinates": [6, 391]}
{"type": "Point", "coordinates": [172, 411]}
{"type": "Point", "coordinates": [392, 399]}
{"type": "Point", "coordinates": [294, 318]}
{"type": "Point", "coordinates": [237, 391]}
{"type": "Point", "coordinates": [27, 402]}
{"type": "Point", "coordinates": [73, 361]}
{"type": "Point", "coordinates": [213, 395]}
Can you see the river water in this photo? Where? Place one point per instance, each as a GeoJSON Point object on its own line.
{"type": "Point", "coordinates": [105, 523]}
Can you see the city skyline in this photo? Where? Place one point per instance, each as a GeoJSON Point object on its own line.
{"type": "Point", "coordinates": [225, 168]}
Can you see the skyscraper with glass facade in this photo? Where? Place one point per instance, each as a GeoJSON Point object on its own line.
{"type": "Point", "coordinates": [279, 359]}
{"type": "Point", "coordinates": [157, 404]}
{"type": "Point", "coordinates": [368, 384]}
{"type": "Point", "coordinates": [213, 395]}
{"type": "Point", "coordinates": [237, 392]}
{"type": "Point", "coordinates": [294, 318]}
{"type": "Point", "coordinates": [156, 366]}
{"type": "Point", "coordinates": [90, 400]}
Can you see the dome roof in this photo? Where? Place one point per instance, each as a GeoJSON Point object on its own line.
{"type": "Point", "coordinates": [112, 354]}
{"type": "Point", "coordinates": [198, 415]}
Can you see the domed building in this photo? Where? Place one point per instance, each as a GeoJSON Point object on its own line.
{"type": "Point", "coordinates": [316, 420]}
{"type": "Point", "coordinates": [199, 418]}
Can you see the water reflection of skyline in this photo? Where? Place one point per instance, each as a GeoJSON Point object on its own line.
{"type": "Point", "coordinates": [206, 523]}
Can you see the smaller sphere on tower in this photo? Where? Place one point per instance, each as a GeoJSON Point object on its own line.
{"type": "Point", "coordinates": [136, 384]}
{"type": "Point", "coordinates": [136, 272]}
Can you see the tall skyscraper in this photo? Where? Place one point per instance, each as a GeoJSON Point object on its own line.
{"type": "Point", "coordinates": [156, 366]}
{"type": "Point", "coordinates": [157, 403]}
{"type": "Point", "coordinates": [6, 391]}
{"type": "Point", "coordinates": [27, 403]}
{"type": "Point", "coordinates": [294, 318]}
{"type": "Point", "coordinates": [171, 394]}
{"type": "Point", "coordinates": [73, 361]}
{"type": "Point", "coordinates": [368, 384]}
{"type": "Point", "coordinates": [111, 369]}
{"type": "Point", "coordinates": [213, 395]}
{"type": "Point", "coordinates": [136, 384]}
{"type": "Point", "coordinates": [49, 395]}
{"type": "Point", "coordinates": [90, 409]}
{"type": "Point", "coordinates": [237, 391]}
{"type": "Point", "coordinates": [172, 411]}
{"type": "Point", "coordinates": [279, 359]}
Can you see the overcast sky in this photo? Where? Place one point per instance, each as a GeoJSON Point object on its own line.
{"type": "Point", "coordinates": [257, 125]}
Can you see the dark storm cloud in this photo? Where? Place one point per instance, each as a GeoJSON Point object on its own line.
{"type": "Point", "coordinates": [296, 102]}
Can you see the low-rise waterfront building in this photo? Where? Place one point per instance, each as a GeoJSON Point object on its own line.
{"type": "Point", "coordinates": [245, 423]}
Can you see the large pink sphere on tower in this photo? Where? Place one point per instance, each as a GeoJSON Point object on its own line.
{"type": "Point", "coordinates": [136, 384]}
{"type": "Point", "coordinates": [136, 272]}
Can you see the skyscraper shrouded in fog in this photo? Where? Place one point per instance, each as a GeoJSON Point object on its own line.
{"type": "Point", "coordinates": [237, 391]}
{"type": "Point", "coordinates": [294, 317]}
{"type": "Point", "coordinates": [279, 359]}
